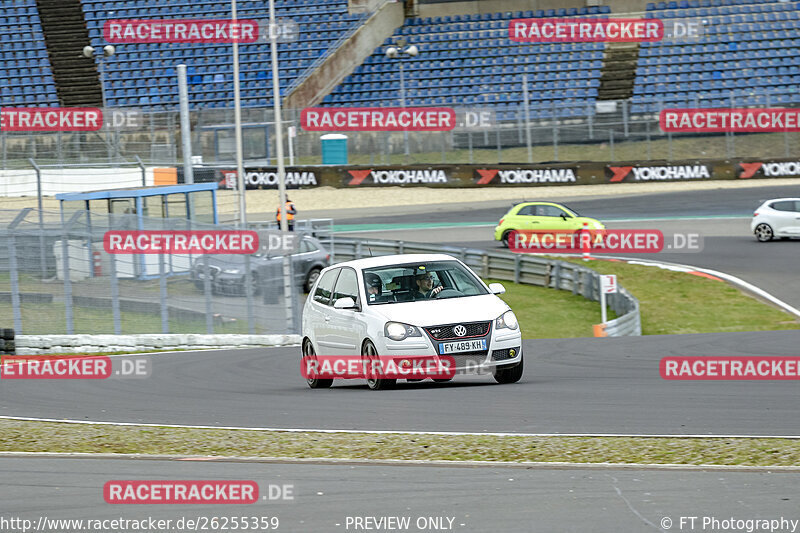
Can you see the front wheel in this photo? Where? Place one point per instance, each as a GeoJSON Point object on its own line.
{"type": "Point", "coordinates": [504, 238]}
{"type": "Point", "coordinates": [764, 233]}
{"type": "Point", "coordinates": [508, 374]}
{"type": "Point", "coordinates": [311, 278]}
{"type": "Point", "coordinates": [314, 383]}
{"type": "Point", "coordinates": [370, 354]}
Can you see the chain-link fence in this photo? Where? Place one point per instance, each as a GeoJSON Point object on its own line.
{"type": "Point", "coordinates": [568, 132]}
{"type": "Point", "coordinates": [56, 277]}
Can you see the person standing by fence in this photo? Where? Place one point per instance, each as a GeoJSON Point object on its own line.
{"type": "Point", "coordinates": [290, 213]}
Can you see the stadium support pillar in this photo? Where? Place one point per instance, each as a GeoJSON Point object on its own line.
{"type": "Point", "coordinates": [186, 128]}
{"type": "Point", "coordinates": [237, 119]}
{"type": "Point", "coordinates": [527, 111]}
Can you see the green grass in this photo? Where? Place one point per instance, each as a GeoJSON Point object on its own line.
{"type": "Point", "coordinates": [49, 319]}
{"type": "Point", "coordinates": [676, 302]}
{"type": "Point", "coordinates": [24, 436]}
{"type": "Point", "coordinates": [551, 313]}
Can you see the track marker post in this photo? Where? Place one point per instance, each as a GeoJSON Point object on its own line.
{"type": "Point", "coordinates": [585, 243]}
{"type": "Point", "coordinates": [608, 285]}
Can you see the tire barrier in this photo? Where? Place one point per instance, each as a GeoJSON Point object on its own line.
{"type": "Point", "coordinates": [7, 341]}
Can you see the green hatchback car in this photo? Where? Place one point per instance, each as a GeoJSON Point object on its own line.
{"type": "Point", "coordinates": [543, 216]}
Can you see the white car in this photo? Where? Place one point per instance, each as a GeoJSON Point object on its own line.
{"type": "Point", "coordinates": [457, 316]}
{"type": "Point", "coordinates": [777, 218]}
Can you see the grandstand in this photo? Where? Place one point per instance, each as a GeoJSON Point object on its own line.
{"type": "Point", "coordinates": [563, 78]}
{"type": "Point", "coordinates": [24, 67]}
{"type": "Point", "coordinates": [747, 56]}
{"type": "Point", "coordinates": [143, 75]}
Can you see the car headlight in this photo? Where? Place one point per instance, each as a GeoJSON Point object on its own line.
{"type": "Point", "coordinates": [398, 331]}
{"type": "Point", "coordinates": [507, 320]}
{"type": "Point", "coordinates": [598, 225]}
{"type": "Point", "coordinates": [231, 271]}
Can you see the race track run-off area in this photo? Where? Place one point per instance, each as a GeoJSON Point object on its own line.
{"type": "Point", "coordinates": [570, 386]}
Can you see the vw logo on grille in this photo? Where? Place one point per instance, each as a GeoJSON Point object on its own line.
{"type": "Point", "coordinates": [459, 331]}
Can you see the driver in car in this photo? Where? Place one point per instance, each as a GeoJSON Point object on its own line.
{"type": "Point", "coordinates": [425, 288]}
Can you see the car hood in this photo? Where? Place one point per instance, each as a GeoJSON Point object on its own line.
{"type": "Point", "coordinates": [447, 311]}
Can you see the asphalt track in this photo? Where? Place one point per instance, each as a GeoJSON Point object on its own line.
{"type": "Point", "coordinates": [597, 386]}
{"type": "Point", "coordinates": [477, 499]}
{"type": "Point", "coordinates": [722, 217]}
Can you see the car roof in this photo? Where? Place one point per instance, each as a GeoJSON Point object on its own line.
{"type": "Point", "coordinates": [388, 260]}
{"type": "Point", "coordinates": [538, 203]}
{"type": "Point", "coordinates": [781, 199]}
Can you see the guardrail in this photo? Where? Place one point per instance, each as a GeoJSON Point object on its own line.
{"type": "Point", "coordinates": [519, 268]}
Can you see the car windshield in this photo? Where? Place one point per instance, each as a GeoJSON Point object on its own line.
{"type": "Point", "coordinates": [420, 281]}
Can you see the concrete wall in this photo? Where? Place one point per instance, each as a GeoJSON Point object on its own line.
{"type": "Point", "coordinates": [43, 344]}
{"type": "Point", "coordinates": [343, 61]}
{"type": "Point", "coordinates": [54, 181]}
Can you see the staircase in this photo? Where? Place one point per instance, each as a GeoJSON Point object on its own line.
{"type": "Point", "coordinates": [619, 71]}
{"type": "Point", "coordinates": [65, 34]}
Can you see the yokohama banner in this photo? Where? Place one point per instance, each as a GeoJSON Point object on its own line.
{"type": "Point", "coordinates": [768, 169]}
{"type": "Point", "coordinates": [267, 178]}
{"type": "Point", "coordinates": [657, 173]}
{"type": "Point", "coordinates": [524, 176]}
{"type": "Point", "coordinates": [399, 176]}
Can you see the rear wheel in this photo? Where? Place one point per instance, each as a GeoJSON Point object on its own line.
{"type": "Point", "coordinates": [314, 383]}
{"type": "Point", "coordinates": [370, 355]}
{"type": "Point", "coordinates": [504, 375]}
{"type": "Point", "coordinates": [764, 233]}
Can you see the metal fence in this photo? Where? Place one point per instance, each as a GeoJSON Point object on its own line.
{"type": "Point", "coordinates": [56, 277]}
{"type": "Point", "coordinates": [588, 136]}
{"type": "Point", "coordinates": [519, 268]}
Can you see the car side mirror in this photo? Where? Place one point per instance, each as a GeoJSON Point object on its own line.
{"type": "Point", "coordinates": [344, 303]}
{"type": "Point", "coordinates": [563, 216]}
{"type": "Point", "coordinates": [497, 288]}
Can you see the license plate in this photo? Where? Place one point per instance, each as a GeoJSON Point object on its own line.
{"type": "Point", "coordinates": [462, 346]}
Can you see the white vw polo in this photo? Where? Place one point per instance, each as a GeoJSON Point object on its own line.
{"type": "Point", "coordinates": [411, 305]}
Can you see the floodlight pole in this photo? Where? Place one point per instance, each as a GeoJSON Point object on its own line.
{"type": "Point", "coordinates": [276, 102]}
{"type": "Point", "coordinates": [237, 118]}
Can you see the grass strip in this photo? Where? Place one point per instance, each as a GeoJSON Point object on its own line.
{"type": "Point", "coordinates": [677, 302]}
{"type": "Point", "coordinates": [545, 313]}
{"type": "Point", "coordinates": [25, 436]}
